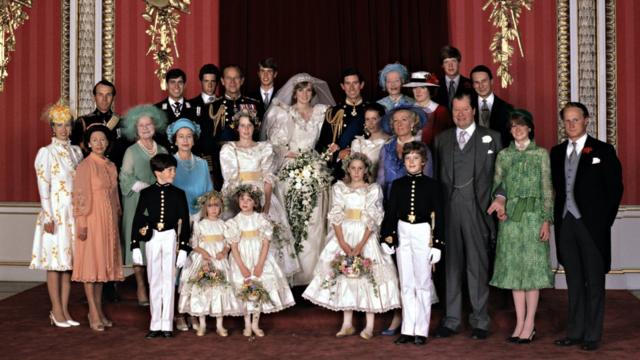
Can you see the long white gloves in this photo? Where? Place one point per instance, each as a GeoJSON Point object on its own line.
{"type": "Point", "coordinates": [434, 255]}
{"type": "Point", "coordinates": [182, 258]}
{"type": "Point", "coordinates": [389, 250]}
{"type": "Point", "coordinates": [136, 255]}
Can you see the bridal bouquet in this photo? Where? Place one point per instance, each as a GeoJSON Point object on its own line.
{"type": "Point", "coordinates": [208, 276]}
{"type": "Point", "coordinates": [351, 267]}
{"type": "Point", "coordinates": [306, 176]}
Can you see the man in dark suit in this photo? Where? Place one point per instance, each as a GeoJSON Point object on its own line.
{"type": "Point", "coordinates": [493, 112]}
{"type": "Point", "coordinates": [209, 76]}
{"type": "Point", "coordinates": [453, 83]}
{"type": "Point", "coordinates": [175, 106]}
{"type": "Point", "coordinates": [464, 164]}
{"type": "Point", "coordinates": [587, 179]}
{"type": "Point", "coordinates": [267, 73]}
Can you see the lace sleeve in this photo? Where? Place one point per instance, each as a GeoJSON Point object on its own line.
{"type": "Point", "coordinates": [43, 174]}
{"type": "Point", "coordinates": [373, 211]}
{"type": "Point", "coordinates": [279, 134]}
{"type": "Point", "coordinates": [82, 197]}
{"type": "Point", "coordinates": [336, 213]}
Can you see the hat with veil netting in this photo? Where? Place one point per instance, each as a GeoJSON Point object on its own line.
{"type": "Point", "coordinates": [284, 96]}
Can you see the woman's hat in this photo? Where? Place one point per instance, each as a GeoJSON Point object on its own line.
{"type": "Point", "coordinates": [387, 126]}
{"type": "Point", "coordinates": [173, 128]}
{"type": "Point", "coordinates": [422, 79]}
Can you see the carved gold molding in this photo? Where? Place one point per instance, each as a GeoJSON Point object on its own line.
{"type": "Point", "coordinates": [86, 55]}
{"type": "Point", "coordinates": [612, 75]}
{"type": "Point", "coordinates": [563, 57]}
{"type": "Point", "coordinates": [65, 57]}
{"type": "Point", "coordinates": [108, 39]}
{"type": "Point", "coordinates": [12, 15]}
{"type": "Point", "coordinates": [588, 61]}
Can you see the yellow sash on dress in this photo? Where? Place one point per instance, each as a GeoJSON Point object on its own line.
{"type": "Point", "coordinates": [250, 175]}
{"type": "Point", "coordinates": [212, 238]}
{"type": "Point", "coordinates": [249, 234]}
{"type": "Point", "coordinates": [353, 214]}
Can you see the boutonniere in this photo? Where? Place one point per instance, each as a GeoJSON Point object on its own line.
{"type": "Point", "coordinates": [587, 150]}
{"type": "Point", "coordinates": [486, 139]}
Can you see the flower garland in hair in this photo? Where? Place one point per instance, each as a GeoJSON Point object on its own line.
{"type": "Point", "coordinates": [254, 192]}
{"type": "Point", "coordinates": [202, 200]}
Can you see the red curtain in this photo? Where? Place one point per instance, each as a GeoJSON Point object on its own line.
{"type": "Point", "coordinates": [324, 37]}
{"type": "Point", "coordinates": [32, 84]}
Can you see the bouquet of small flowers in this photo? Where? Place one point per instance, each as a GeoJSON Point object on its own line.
{"type": "Point", "coordinates": [351, 267]}
{"type": "Point", "coordinates": [306, 176]}
{"type": "Point", "coordinates": [209, 276]}
{"type": "Point", "coordinates": [253, 291]}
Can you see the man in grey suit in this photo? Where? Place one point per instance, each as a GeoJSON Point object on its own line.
{"type": "Point", "coordinates": [464, 164]}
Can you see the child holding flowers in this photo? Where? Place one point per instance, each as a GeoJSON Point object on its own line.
{"type": "Point", "coordinates": [353, 273]}
{"type": "Point", "coordinates": [205, 290]}
{"type": "Point", "coordinates": [257, 278]}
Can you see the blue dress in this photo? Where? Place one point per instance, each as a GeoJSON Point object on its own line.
{"type": "Point", "coordinates": [390, 104]}
{"type": "Point", "coordinates": [390, 167]}
{"type": "Point", "coordinates": [192, 177]}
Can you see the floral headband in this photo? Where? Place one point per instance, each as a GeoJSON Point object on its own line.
{"type": "Point", "coordinates": [254, 192]}
{"type": "Point", "coordinates": [204, 199]}
{"type": "Point", "coordinates": [356, 156]}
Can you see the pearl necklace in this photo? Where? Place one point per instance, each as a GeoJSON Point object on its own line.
{"type": "Point", "coordinates": [152, 152]}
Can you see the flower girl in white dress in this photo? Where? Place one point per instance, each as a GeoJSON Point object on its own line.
{"type": "Point", "coordinates": [353, 273]}
{"type": "Point", "coordinates": [205, 289]}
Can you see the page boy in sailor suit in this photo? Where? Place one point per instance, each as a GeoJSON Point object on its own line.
{"type": "Point", "coordinates": [161, 219]}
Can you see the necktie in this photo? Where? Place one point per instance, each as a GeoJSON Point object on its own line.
{"type": "Point", "coordinates": [462, 139]}
{"type": "Point", "coordinates": [266, 98]}
{"type": "Point", "coordinates": [485, 113]}
{"type": "Point", "coordinates": [452, 92]}
{"type": "Point", "coordinates": [574, 155]}
{"type": "Point", "coordinates": [177, 107]}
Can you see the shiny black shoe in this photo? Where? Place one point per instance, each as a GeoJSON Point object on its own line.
{"type": "Point", "coordinates": [404, 339]}
{"type": "Point", "coordinates": [567, 342]}
{"type": "Point", "coordinates": [590, 346]}
{"type": "Point", "coordinates": [167, 334]}
{"type": "Point", "coordinates": [528, 340]}
{"type": "Point", "coordinates": [512, 339]}
{"type": "Point", "coordinates": [479, 334]}
{"type": "Point", "coordinates": [420, 340]}
{"type": "Point", "coordinates": [444, 332]}
{"type": "Point", "coordinates": [153, 334]}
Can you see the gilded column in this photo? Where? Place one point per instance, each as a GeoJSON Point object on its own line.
{"type": "Point", "coordinates": [86, 49]}
{"type": "Point", "coordinates": [563, 45]}
{"type": "Point", "coordinates": [612, 90]}
{"type": "Point", "coordinates": [587, 61]}
{"type": "Point", "coordinates": [108, 39]}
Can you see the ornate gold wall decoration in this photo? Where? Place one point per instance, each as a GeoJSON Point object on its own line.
{"type": "Point", "coordinates": [86, 56]}
{"type": "Point", "coordinates": [65, 49]}
{"type": "Point", "coordinates": [108, 39]}
{"type": "Point", "coordinates": [12, 15]}
{"type": "Point", "coordinates": [164, 16]}
{"type": "Point", "coordinates": [505, 16]}
{"type": "Point", "coordinates": [563, 47]}
{"type": "Point", "coordinates": [588, 61]}
{"type": "Point", "coordinates": [612, 90]}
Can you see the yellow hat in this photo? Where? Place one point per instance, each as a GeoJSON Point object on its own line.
{"type": "Point", "coordinates": [58, 113]}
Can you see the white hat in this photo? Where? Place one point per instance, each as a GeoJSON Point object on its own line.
{"type": "Point", "coordinates": [421, 79]}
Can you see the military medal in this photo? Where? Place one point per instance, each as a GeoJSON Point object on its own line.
{"type": "Point", "coordinates": [354, 112]}
{"type": "Point", "coordinates": [160, 226]}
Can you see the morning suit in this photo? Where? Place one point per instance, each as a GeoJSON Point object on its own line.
{"type": "Point", "coordinates": [588, 192]}
{"type": "Point", "coordinates": [499, 118]}
{"type": "Point", "coordinates": [467, 176]}
{"type": "Point", "coordinates": [442, 97]}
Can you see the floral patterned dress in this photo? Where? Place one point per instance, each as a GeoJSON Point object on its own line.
{"type": "Point", "coordinates": [522, 260]}
{"type": "Point", "coordinates": [55, 166]}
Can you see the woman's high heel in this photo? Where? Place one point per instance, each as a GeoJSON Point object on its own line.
{"type": "Point", "coordinates": [529, 340]}
{"type": "Point", "coordinates": [60, 324]}
{"type": "Point", "coordinates": [96, 327]}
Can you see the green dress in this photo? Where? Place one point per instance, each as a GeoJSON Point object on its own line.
{"type": "Point", "coordinates": [522, 259]}
{"type": "Point", "coordinates": [135, 167]}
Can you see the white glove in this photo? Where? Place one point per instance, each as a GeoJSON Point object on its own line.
{"type": "Point", "coordinates": [139, 186]}
{"type": "Point", "coordinates": [182, 258]}
{"type": "Point", "coordinates": [136, 255]}
{"type": "Point", "coordinates": [389, 250]}
{"type": "Point", "coordinates": [434, 256]}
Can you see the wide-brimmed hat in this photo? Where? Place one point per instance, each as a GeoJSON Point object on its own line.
{"type": "Point", "coordinates": [388, 117]}
{"type": "Point", "coordinates": [421, 79]}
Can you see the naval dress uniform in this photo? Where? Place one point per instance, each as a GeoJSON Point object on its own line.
{"type": "Point", "coordinates": [165, 223]}
{"type": "Point", "coordinates": [407, 225]}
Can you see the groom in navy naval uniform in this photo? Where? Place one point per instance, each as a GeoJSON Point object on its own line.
{"type": "Point", "coordinates": [587, 179]}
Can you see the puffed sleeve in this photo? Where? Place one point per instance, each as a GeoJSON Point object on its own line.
{"type": "Point", "coordinates": [373, 211]}
{"type": "Point", "coordinates": [547, 188]}
{"type": "Point", "coordinates": [82, 196]}
{"type": "Point", "coordinates": [43, 174]}
{"type": "Point", "coordinates": [232, 231]}
{"type": "Point", "coordinates": [229, 166]}
{"type": "Point", "coordinates": [265, 227]}
{"type": "Point", "coordinates": [266, 163]}
{"type": "Point", "coordinates": [279, 133]}
{"type": "Point", "coordinates": [336, 213]}
{"type": "Point", "coordinates": [127, 172]}
{"type": "Point", "coordinates": [195, 235]}
{"type": "Point", "coordinates": [356, 145]}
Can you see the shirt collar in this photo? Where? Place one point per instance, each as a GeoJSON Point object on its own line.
{"type": "Point", "coordinates": [579, 145]}
{"type": "Point", "coordinates": [456, 80]}
{"type": "Point", "coordinates": [490, 99]}
{"type": "Point", "coordinates": [205, 97]}
{"type": "Point", "coordinates": [470, 130]}
{"type": "Point", "coordinates": [172, 102]}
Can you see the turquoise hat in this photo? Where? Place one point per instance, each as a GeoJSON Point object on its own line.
{"type": "Point", "coordinates": [173, 128]}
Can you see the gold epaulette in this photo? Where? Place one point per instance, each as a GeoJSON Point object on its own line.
{"type": "Point", "coordinates": [217, 117]}
{"type": "Point", "coordinates": [335, 120]}
{"type": "Point", "coordinates": [113, 122]}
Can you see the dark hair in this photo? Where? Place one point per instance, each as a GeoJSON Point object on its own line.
{"type": "Point", "coordinates": [464, 93]}
{"type": "Point", "coordinates": [574, 104]}
{"type": "Point", "coordinates": [256, 196]}
{"type": "Point", "coordinates": [521, 117]}
{"type": "Point", "coordinates": [300, 85]}
{"type": "Point", "coordinates": [252, 116]}
{"type": "Point", "coordinates": [268, 63]}
{"type": "Point", "coordinates": [349, 72]}
{"type": "Point", "coordinates": [233, 66]}
{"type": "Point", "coordinates": [415, 146]}
{"type": "Point", "coordinates": [175, 73]}
{"type": "Point", "coordinates": [105, 83]}
{"type": "Point", "coordinates": [375, 107]}
{"type": "Point", "coordinates": [448, 51]}
{"type": "Point", "coordinates": [209, 69]}
{"type": "Point", "coordinates": [160, 162]}
{"type": "Point", "coordinates": [481, 68]}
{"type": "Point", "coordinates": [96, 127]}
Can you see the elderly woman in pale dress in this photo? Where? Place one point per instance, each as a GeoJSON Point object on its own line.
{"type": "Point", "coordinates": [374, 138]}
{"type": "Point", "coordinates": [391, 79]}
{"type": "Point", "coordinates": [248, 162]}
{"type": "Point", "coordinates": [55, 229]}
{"type": "Point", "coordinates": [293, 124]}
